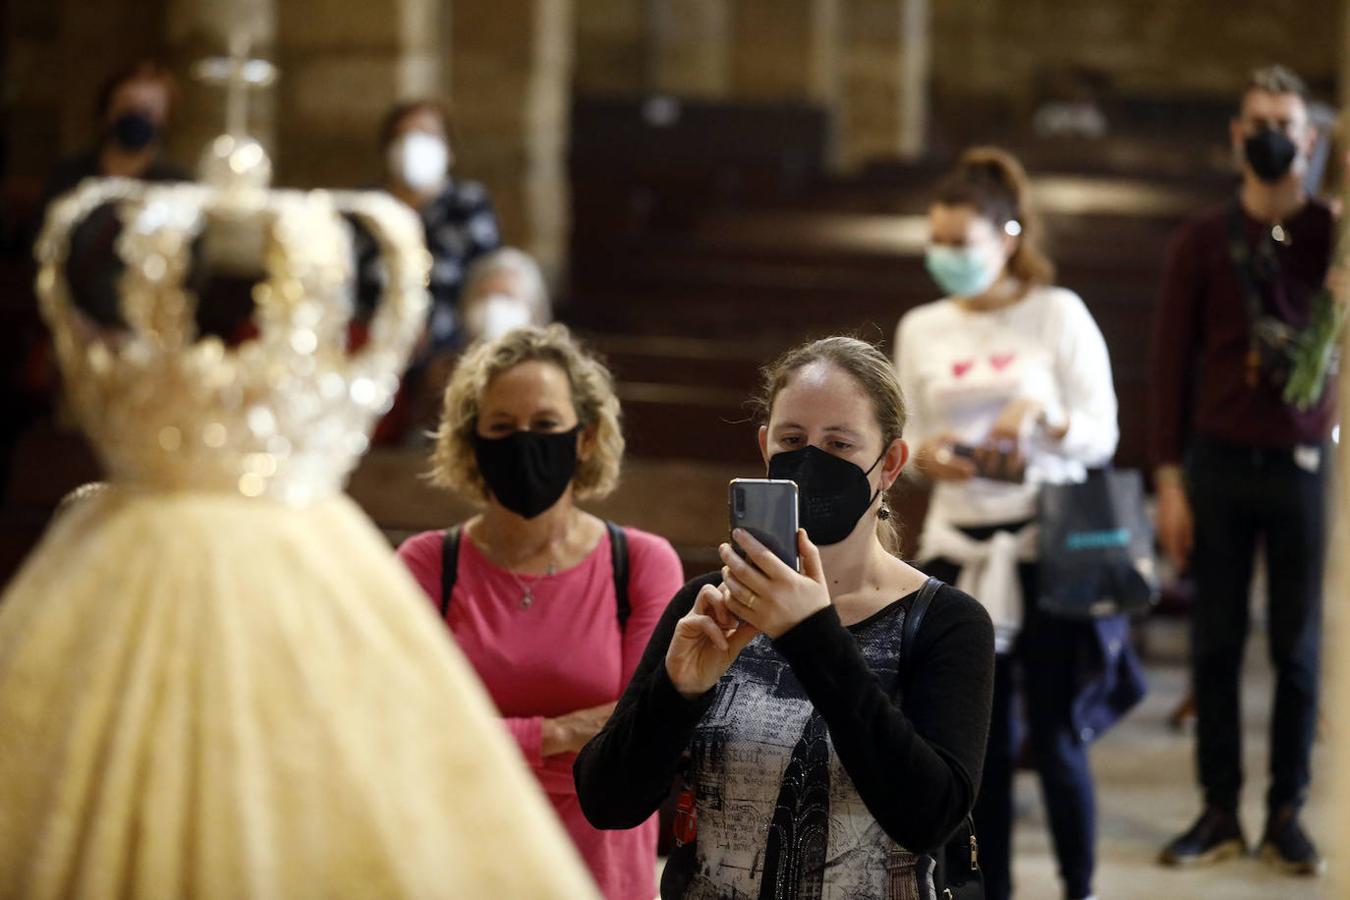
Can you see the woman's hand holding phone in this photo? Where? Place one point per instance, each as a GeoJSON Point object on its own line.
{"type": "Point", "coordinates": [705, 643]}
{"type": "Point", "coordinates": [937, 460]}
{"type": "Point", "coordinates": [763, 591]}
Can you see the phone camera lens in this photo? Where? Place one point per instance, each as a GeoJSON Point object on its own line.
{"type": "Point", "coordinates": [739, 495]}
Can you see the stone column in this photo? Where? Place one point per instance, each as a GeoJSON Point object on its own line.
{"type": "Point", "coordinates": [1337, 582]}
{"type": "Point", "coordinates": [510, 67]}
{"type": "Point", "coordinates": [195, 30]}
{"type": "Point", "coordinates": [611, 41]}
{"type": "Point", "coordinates": [1344, 61]}
{"type": "Point", "coordinates": [690, 44]}
{"type": "Point", "coordinates": [885, 74]}
{"type": "Point", "coordinates": [784, 49]}
{"type": "Point", "coordinates": [343, 64]}
{"type": "Point", "coordinates": [57, 55]}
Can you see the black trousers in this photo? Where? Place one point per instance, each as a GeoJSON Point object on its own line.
{"type": "Point", "coordinates": [1241, 496]}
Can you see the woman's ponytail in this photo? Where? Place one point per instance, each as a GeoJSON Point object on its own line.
{"type": "Point", "coordinates": [995, 185]}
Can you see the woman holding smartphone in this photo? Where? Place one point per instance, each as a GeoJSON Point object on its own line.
{"type": "Point", "coordinates": [551, 605]}
{"type": "Point", "coordinates": [1010, 387]}
{"type": "Point", "coordinates": [819, 762]}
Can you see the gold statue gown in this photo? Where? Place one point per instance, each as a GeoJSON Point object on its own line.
{"type": "Point", "coordinates": [215, 679]}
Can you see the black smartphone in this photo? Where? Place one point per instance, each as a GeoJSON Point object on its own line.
{"type": "Point", "coordinates": [767, 508]}
{"type": "Point", "coordinates": [1004, 466]}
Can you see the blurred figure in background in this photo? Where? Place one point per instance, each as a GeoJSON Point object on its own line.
{"type": "Point", "coordinates": [133, 111]}
{"type": "Point", "coordinates": [1009, 385]}
{"type": "Point", "coordinates": [505, 290]}
{"type": "Point", "coordinates": [457, 214]}
{"type": "Point", "coordinates": [1239, 462]}
{"type": "Point", "coordinates": [461, 226]}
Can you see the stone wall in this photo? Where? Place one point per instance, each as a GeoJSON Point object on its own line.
{"type": "Point", "coordinates": [57, 54]}
{"type": "Point", "coordinates": [986, 59]}
{"type": "Point", "coordinates": [1003, 49]}
{"type": "Point", "coordinates": [510, 65]}
{"type": "Point", "coordinates": [611, 39]}
{"type": "Point", "coordinates": [343, 64]}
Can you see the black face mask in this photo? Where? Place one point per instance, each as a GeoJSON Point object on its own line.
{"type": "Point", "coordinates": [832, 493]}
{"type": "Point", "coordinates": [1270, 153]}
{"type": "Point", "coordinates": [529, 470]}
{"type": "Point", "coordinates": [134, 131]}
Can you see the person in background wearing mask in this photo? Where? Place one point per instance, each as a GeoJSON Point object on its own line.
{"type": "Point", "coordinates": [133, 112]}
{"type": "Point", "coordinates": [460, 227]}
{"type": "Point", "coordinates": [505, 290]}
{"type": "Point", "coordinates": [822, 759]}
{"type": "Point", "coordinates": [535, 590]}
{"type": "Point", "coordinates": [1236, 465]}
{"type": "Point", "coordinates": [456, 213]}
{"type": "Point", "coordinates": [1009, 385]}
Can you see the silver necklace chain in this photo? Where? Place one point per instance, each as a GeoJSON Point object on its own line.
{"type": "Point", "coordinates": [527, 590]}
{"type": "Point", "coordinates": [527, 596]}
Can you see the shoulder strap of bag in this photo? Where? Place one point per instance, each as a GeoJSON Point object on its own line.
{"type": "Point", "coordinates": [1244, 270]}
{"type": "Point", "coordinates": [449, 566]}
{"type": "Point", "coordinates": [1240, 254]}
{"type": "Point", "coordinates": [917, 611]}
{"type": "Point", "coordinates": [618, 549]}
{"type": "Point", "coordinates": [618, 546]}
{"type": "Point", "coordinates": [959, 865]}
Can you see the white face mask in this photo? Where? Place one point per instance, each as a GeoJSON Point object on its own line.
{"type": "Point", "coordinates": [419, 160]}
{"type": "Point", "coordinates": [495, 315]}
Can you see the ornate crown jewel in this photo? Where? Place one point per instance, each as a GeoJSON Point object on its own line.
{"type": "Point", "coordinates": [284, 414]}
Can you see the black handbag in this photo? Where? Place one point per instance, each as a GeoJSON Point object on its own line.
{"type": "Point", "coordinates": [1096, 547]}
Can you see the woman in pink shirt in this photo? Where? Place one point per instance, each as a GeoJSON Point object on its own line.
{"type": "Point", "coordinates": [533, 588]}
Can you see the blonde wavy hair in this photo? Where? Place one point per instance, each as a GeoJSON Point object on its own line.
{"type": "Point", "coordinates": [452, 461]}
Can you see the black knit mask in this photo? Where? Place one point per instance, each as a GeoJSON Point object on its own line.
{"type": "Point", "coordinates": [527, 471]}
{"type": "Point", "coordinates": [832, 493]}
{"type": "Point", "coordinates": [1270, 153]}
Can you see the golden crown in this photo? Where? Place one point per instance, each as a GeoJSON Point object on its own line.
{"type": "Point", "coordinates": [283, 415]}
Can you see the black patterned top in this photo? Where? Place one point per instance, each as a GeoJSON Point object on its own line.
{"type": "Point", "coordinates": [812, 775]}
{"type": "Point", "coordinates": [460, 227]}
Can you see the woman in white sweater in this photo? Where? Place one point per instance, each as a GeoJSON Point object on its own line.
{"type": "Point", "coordinates": [1009, 385]}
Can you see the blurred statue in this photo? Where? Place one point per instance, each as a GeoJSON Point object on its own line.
{"type": "Point", "coordinates": [216, 680]}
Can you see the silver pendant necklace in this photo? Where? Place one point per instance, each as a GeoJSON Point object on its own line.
{"type": "Point", "coordinates": [526, 589]}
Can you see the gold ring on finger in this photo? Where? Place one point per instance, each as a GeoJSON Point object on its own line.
{"type": "Point", "coordinates": [749, 602]}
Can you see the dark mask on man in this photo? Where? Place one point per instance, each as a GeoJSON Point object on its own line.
{"type": "Point", "coordinates": [527, 471]}
{"type": "Point", "coordinates": [832, 493]}
{"type": "Point", "coordinates": [1270, 153]}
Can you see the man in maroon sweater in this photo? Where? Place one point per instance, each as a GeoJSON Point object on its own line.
{"type": "Point", "coordinates": [1236, 466]}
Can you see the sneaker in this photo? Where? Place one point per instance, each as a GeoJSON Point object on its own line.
{"type": "Point", "coordinates": [1286, 846]}
{"type": "Point", "coordinates": [1215, 836]}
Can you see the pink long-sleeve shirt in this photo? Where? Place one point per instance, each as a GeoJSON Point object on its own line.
{"type": "Point", "coordinates": [564, 653]}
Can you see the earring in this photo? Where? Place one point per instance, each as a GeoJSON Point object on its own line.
{"type": "Point", "coordinates": [884, 512]}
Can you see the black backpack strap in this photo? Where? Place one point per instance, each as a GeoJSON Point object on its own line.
{"type": "Point", "coordinates": [449, 566]}
{"type": "Point", "coordinates": [917, 610]}
{"type": "Point", "coordinates": [618, 549]}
